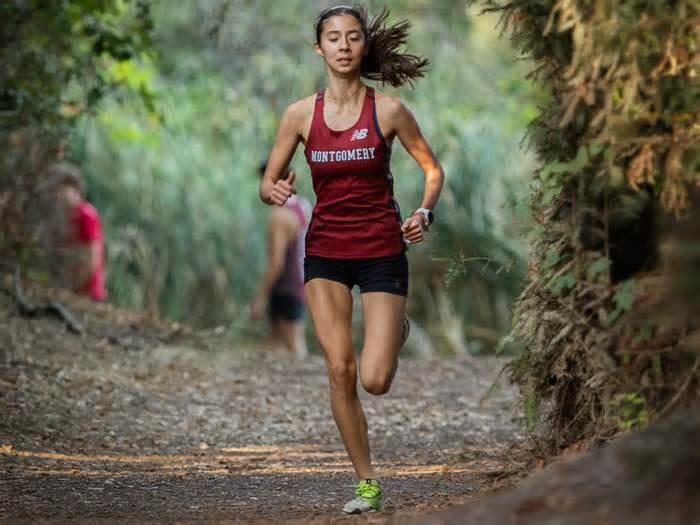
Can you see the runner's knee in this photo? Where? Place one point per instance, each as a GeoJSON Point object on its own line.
{"type": "Point", "coordinates": [376, 383]}
{"type": "Point", "coordinates": [377, 369]}
{"type": "Point", "coordinates": [342, 375]}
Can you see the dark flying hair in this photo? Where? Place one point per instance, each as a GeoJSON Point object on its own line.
{"type": "Point", "coordinates": [383, 62]}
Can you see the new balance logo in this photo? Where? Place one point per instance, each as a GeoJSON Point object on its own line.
{"type": "Point", "coordinates": [359, 134]}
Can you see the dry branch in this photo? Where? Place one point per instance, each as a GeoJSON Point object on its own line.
{"type": "Point", "coordinates": [53, 308]}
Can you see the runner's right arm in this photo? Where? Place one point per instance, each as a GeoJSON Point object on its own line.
{"type": "Point", "coordinates": [274, 191]}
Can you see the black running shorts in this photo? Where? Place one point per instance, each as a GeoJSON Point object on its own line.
{"type": "Point", "coordinates": [285, 308]}
{"type": "Point", "coordinates": [379, 274]}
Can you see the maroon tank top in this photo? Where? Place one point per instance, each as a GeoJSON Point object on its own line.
{"type": "Point", "coordinates": [355, 216]}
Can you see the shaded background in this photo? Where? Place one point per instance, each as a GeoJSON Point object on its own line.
{"type": "Point", "coordinates": [177, 184]}
{"type": "Point", "coordinates": [170, 106]}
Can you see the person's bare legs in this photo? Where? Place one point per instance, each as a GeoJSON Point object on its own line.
{"type": "Point", "coordinates": [274, 337]}
{"type": "Point", "coordinates": [383, 315]}
{"type": "Point", "coordinates": [293, 336]}
{"type": "Point", "coordinates": [330, 305]}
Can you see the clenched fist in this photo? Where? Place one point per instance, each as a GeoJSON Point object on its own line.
{"type": "Point", "coordinates": [282, 190]}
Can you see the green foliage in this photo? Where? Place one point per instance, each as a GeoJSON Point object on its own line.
{"type": "Point", "coordinates": [181, 195]}
{"type": "Point", "coordinates": [623, 300]}
{"type": "Point", "coordinates": [617, 144]}
{"type": "Point", "coordinates": [59, 60]}
{"type": "Point", "coordinates": [561, 283]}
{"type": "Point", "coordinates": [630, 411]}
{"type": "Point", "coordinates": [531, 410]}
{"type": "Point", "coordinates": [600, 266]}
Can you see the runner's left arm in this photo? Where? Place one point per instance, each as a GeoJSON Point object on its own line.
{"type": "Point", "coordinates": [402, 122]}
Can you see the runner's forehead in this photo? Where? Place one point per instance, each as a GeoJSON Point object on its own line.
{"type": "Point", "coordinates": [341, 22]}
{"type": "Point", "coordinates": [338, 31]}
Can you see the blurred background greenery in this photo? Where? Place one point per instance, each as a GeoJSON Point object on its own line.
{"type": "Point", "coordinates": [171, 159]}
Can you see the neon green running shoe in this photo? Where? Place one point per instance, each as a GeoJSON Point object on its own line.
{"type": "Point", "coordinates": [368, 498]}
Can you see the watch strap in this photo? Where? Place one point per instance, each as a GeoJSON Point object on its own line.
{"type": "Point", "coordinates": [425, 212]}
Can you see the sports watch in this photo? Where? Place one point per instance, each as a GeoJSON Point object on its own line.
{"type": "Point", "coordinates": [425, 212]}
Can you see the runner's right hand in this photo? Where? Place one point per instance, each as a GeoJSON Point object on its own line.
{"type": "Point", "coordinates": [282, 190]}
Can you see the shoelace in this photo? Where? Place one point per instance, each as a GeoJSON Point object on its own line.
{"type": "Point", "coordinates": [367, 490]}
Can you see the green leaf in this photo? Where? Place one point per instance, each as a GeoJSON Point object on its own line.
{"type": "Point", "coordinates": [553, 257]}
{"type": "Point", "coordinates": [549, 195]}
{"type": "Point", "coordinates": [624, 297]}
{"type": "Point", "coordinates": [609, 154]}
{"type": "Point", "coordinates": [595, 148]}
{"type": "Point", "coordinates": [598, 266]}
{"type": "Point", "coordinates": [631, 410]}
{"type": "Point", "coordinates": [552, 168]}
{"type": "Point", "coordinates": [610, 319]}
{"type": "Point", "coordinates": [580, 161]}
{"type": "Point", "coordinates": [562, 282]}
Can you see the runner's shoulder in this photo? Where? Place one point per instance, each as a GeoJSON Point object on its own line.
{"type": "Point", "coordinates": [302, 108]}
{"type": "Point", "coordinates": [87, 212]}
{"type": "Point", "coordinates": [389, 104]}
{"type": "Point", "coordinates": [390, 108]}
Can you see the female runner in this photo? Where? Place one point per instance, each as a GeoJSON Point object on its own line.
{"type": "Point", "coordinates": [356, 236]}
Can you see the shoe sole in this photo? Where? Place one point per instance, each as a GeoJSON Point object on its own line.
{"type": "Point", "coordinates": [370, 511]}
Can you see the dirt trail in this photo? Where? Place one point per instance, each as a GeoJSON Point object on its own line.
{"type": "Point", "coordinates": [133, 422]}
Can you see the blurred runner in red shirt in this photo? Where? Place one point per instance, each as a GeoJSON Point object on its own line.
{"type": "Point", "coordinates": [81, 233]}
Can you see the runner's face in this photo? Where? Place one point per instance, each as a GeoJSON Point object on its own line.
{"type": "Point", "coordinates": [342, 44]}
{"type": "Point", "coordinates": [68, 195]}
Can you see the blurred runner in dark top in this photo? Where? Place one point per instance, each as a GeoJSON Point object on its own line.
{"type": "Point", "coordinates": [281, 291]}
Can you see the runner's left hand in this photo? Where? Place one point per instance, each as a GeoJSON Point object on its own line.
{"type": "Point", "coordinates": [413, 229]}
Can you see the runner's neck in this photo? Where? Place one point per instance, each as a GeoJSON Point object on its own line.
{"type": "Point", "coordinates": [345, 95]}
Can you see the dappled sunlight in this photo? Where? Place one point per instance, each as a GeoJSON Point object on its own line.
{"type": "Point", "coordinates": [96, 458]}
{"type": "Point", "coordinates": [287, 450]}
{"type": "Point", "coordinates": [553, 305]}
{"type": "Point", "coordinates": [233, 461]}
{"type": "Point", "coordinates": [151, 451]}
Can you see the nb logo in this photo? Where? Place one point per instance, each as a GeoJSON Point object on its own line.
{"type": "Point", "coordinates": [359, 134]}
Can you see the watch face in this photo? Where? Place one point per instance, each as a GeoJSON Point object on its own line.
{"type": "Point", "coordinates": [430, 216]}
